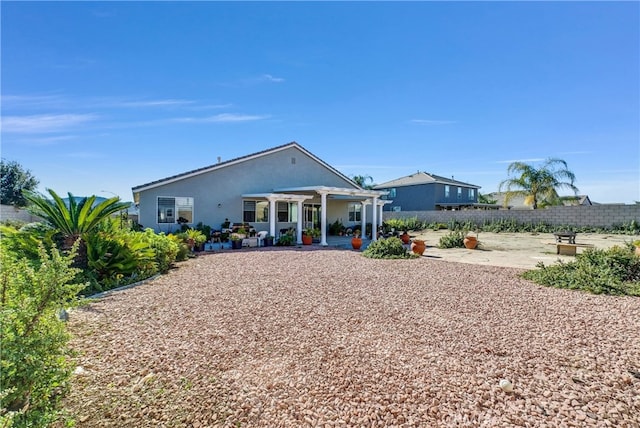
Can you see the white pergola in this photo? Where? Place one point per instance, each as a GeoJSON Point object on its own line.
{"type": "Point", "coordinates": [301, 194]}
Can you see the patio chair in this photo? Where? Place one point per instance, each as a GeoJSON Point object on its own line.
{"type": "Point", "coordinates": [261, 235]}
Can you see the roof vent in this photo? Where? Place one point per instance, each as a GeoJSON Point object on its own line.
{"type": "Point", "coordinates": [219, 159]}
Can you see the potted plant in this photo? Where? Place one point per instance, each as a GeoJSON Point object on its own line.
{"type": "Point", "coordinates": [268, 241]}
{"type": "Point", "coordinates": [241, 232]}
{"type": "Point", "coordinates": [195, 238]}
{"type": "Point", "coordinates": [356, 241]}
{"type": "Point", "coordinates": [405, 237]}
{"type": "Point", "coordinates": [236, 241]}
{"type": "Point", "coordinates": [307, 237]}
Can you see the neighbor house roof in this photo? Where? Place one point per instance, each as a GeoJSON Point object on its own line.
{"type": "Point", "coordinates": [235, 161]}
{"type": "Point", "coordinates": [422, 178]}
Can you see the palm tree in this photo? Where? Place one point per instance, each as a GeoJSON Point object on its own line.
{"type": "Point", "coordinates": [75, 220]}
{"type": "Point", "coordinates": [361, 180]}
{"type": "Point", "coordinates": [538, 185]}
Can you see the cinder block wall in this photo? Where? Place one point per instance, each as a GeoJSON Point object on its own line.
{"type": "Point", "coordinates": [593, 215]}
{"type": "Point", "coordinates": [9, 212]}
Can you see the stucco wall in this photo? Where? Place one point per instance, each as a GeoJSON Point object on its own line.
{"type": "Point", "coordinates": [594, 215]}
{"type": "Point", "coordinates": [217, 193]}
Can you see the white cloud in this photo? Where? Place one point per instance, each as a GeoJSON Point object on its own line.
{"type": "Point", "coordinates": [270, 78]}
{"type": "Point", "coordinates": [223, 117]}
{"type": "Point", "coordinates": [43, 123]}
{"type": "Point", "coordinates": [432, 122]}
{"type": "Point", "coordinates": [521, 160]}
{"type": "Point", "coordinates": [155, 103]}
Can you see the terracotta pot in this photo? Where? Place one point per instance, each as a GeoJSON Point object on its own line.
{"type": "Point", "coordinates": [307, 239]}
{"type": "Point", "coordinates": [418, 246]}
{"type": "Point", "coordinates": [356, 243]}
{"type": "Point", "coordinates": [405, 238]}
{"type": "Point", "coordinates": [470, 242]}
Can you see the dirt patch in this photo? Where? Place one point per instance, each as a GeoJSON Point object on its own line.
{"type": "Point", "coordinates": [521, 250]}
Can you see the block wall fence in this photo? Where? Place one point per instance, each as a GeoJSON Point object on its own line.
{"type": "Point", "coordinates": [591, 215]}
{"type": "Point", "coordinates": [9, 212]}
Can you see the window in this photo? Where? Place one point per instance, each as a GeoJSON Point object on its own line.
{"type": "Point", "coordinates": [287, 212]}
{"type": "Point", "coordinates": [446, 191]}
{"type": "Point", "coordinates": [392, 192]}
{"type": "Point", "coordinates": [355, 212]}
{"type": "Point", "coordinates": [255, 211]}
{"type": "Point", "coordinates": [173, 210]}
{"type": "Point", "coordinates": [472, 194]}
{"type": "Point", "coordinates": [459, 192]}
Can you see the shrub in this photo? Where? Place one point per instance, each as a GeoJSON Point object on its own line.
{"type": "Point", "coordinates": [166, 249]}
{"type": "Point", "coordinates": [34, 369]}
{"type": "Point", "coordinates": [389, 248]}
{"type": "Point", "coordinates": [454, 239]}
{"type": "Point", "coordinates": [612, 271]}
{"type": "Point", "coordinates": [411, 223]}
{"type": "Point", "coordinates": [285, 240]}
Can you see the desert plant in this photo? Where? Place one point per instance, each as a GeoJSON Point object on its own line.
{"type": "Point", "coordinates": [390, 248]}
{"type": "Point", "coordinates": [612, 271]}
{"type": "Point", "coordinates": [454, 239]}
{"type": "Point", "coordinates": [165, 249]}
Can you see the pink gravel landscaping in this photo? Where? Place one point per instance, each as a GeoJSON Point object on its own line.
{"type": "Point", "coordinates": [329, 338]}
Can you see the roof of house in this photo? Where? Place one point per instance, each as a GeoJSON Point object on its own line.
{"type": "Point", "coordinates": [237, 160]}
{"type": "Point", "coordinates": [421, 177]}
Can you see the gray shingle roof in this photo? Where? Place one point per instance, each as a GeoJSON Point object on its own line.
{"type": "Point", "coordinates": [422, 178]}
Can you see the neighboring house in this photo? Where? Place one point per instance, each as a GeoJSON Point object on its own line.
{"type": "Point", "coordinates": [427, 192]}
{"type": "Point", "coordinates": [279, 188]}
{"type": "Point", "coordinates": [518, 202]}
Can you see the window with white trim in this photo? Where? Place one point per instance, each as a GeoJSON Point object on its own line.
{"type": "Point", "coordinates": [459, 192]}
{"type": "Point", "coordinates": [472, 194]}
{"type": "Point", "coordinates": [446, 191]}
{"type": "Point", "coordinates": [287, 212]}
{"type": "Point", "coordinates": [255, 211]}
{"type": "Point", "coordinates": [355, 211]}
{"type": "Point", "coordinates": [175, 209]}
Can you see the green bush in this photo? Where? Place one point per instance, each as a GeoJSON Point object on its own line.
{"type": "Point", "coordinates": [166, 249]}
{"type": "Point", "coordinates": [613, 271]}
{"type": "Point", "coordinates": [120, 258]}
{"type": "Point", "coordinates": [454, 239]}
{"type": "Point", "coordinates": [34, 369]}
{"type": "Point", "coordinates": [389, 248]}
{"type": "Point", "coordinates": [399, 224]}
{"type": "Point", "coordinates": [285, 240]}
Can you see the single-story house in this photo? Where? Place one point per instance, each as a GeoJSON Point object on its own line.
{"type": "Point", "coordinates": [428, 192]}
{"type": "Point", "coordinates": [280, 188]}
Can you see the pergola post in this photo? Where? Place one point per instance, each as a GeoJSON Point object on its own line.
{"type": "Point", "coordinates": [323, 218]}
{"type": "Point", "coordinates": [374, 220]}
{"type": "Point", "coordinates": [272, 216]}
{"type": "Point", "coordinates": [300, 223]}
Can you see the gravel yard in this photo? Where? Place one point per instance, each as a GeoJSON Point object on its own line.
{"type": "Point", "coordinates": [326, 337]}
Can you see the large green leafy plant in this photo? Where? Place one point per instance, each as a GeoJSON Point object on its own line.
{"type": "Point", "coordinates": [34, 369]}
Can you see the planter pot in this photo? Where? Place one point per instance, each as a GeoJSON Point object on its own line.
{"type": "Point", "coordinates": [405, 238]}
{"type": "Point", "coordinates": [356, 243]}
{"type": "Point", "coordinates": [637, 251]}
{"type": "Point", "coordinates": [307, 239]}
{"type": "Point", "coordinates": [418, 246]}
{"type": "Point", "coordinates": [236, 245]}
{"type": "Point", "coordinates": [470, 242]}
{"type": "Point", "coordinates": [268, 241]}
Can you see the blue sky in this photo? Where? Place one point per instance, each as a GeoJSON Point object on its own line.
{"type": "Point", "coordinates": [100, 97]}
